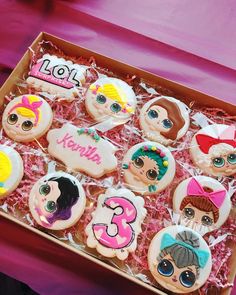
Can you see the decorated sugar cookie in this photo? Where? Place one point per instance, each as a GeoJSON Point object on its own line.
{"type": "Point", "coordinates": [148, 168]}
{"type": "Point", "coordinates": [57, 76]}
{"type": "Point", "coordinates": [179, 259]}
{"type": "Point", "coordinates": [116, 223]}
{"type": "Point", "coordinates": [11, 170]}
{"type": "Point", "coordinates": [110, 99]}
{"type": "Point", "coordinates": [202, 203]}
{"type": "Point", "coordinates": [26, 118]}
{"type": "Point", "coordinates": [57, 201]}
{"type": "Point", "coordinates": [164, 119]}
{"type": "Point", "coordinates": [213, 149]}
{"type": "Point", "coordinates": [82, 149]}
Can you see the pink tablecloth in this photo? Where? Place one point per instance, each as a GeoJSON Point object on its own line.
{"type": "Point", "coordinates": [191, 42]}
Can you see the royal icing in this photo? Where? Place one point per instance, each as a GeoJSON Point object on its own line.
{"type": "Point", "coordinates": [110, 99]}
{"type": "Point", "coordinates": [57, 201]}
{"type": "Point", "coordinates": [57, 76]}
{"type": "Point", "coordinates": [213, 149]}
{"type": "Point", "coordinates": [116, 223]}
{"type": "Point", "coordinates": [82, 149]}
{"type": "Point", "coordinates": [201, 203]}
{"type": "Point", "coordinates": [179, 259]}
{"type": "Point", "coordinates": [164, 119]}
{"type": "Point", "coordinates": [148, 168]}
{"type": "Point", "coordinates": [11, 170]}
{"type": "Point", "coordinates": [26, 118]}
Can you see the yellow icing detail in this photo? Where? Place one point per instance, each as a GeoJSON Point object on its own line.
{"type": "Point", "coordinates": [24, 112]}
{"type": "Point", "coordinates": [154, 148]}
{"type": "Point", "coordinates": [2, 190]}
{"type": "Point", "coordinates": [5, 169]}
{"type": "Point", "coordinates": [165, 163]}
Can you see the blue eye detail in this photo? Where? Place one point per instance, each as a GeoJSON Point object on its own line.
{"type": "Point", "coordinates": [152, 114]}
{"type": "Point", "coordinates": [231, 159]}
{"type": "Point", "coordinates": [167, 123]}
{"type": "Point", "coordinates": [101, 99]}
{"type": "Point", "coordinates": [165, 268]}
{"type": "Point", "coordinates": [218, 162]}
{"type": "Point", "coordinates": [115, 107]}
{"type": "Point", "coordinates": [187, 278]}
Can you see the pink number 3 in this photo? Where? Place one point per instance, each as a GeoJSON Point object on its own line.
{"type": "Point", "coordinates": [125, 233]}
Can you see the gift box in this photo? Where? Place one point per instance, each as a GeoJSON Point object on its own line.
{"type": "Point", "coordinates": [122, 70]}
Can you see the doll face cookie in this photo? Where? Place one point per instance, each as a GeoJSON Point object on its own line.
{"type": "Point", "coordinates": [164, 119]}
{"type": "Point", "coordinates": [110, 98]}
{"type": "Point", "coordinates": [116, 223]}
{"type": "Point", "coordinates": [213, 149]}
{"type": "Point", "coordinates": [202, 203]}
{"type": "Point", "coordinates": [179, 259]}
{"type": "Point", "coordinates": [26, 118]}
{"type": "Point", "coordinates": [11, 170]}
{"type": "Point", "coordinates": [57, 201]}
{"type": "Point", "coordinates": [148, 168]}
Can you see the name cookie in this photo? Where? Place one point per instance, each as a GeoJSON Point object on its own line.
{"type": "Point", "coordinates": [110, 99]}
{"type": "Point", "coordinates": [179, 259]}
{"type": "Point", "coordinates": [213, 149]}
{"type": "Point", "coordinates": [116, 223]}
{"type": "Point", "coordinates": [82, 149]}
{"type": "Point", "coordinates": [57, 201]}
{"type": "Point", "coordinates": [26, 118]}
{"type": "Point", "coordinates": [164, 119]}
{"type": "Point", "coordinates": [201, 203]}
{"type": "Point", "coordinates": [148, 168]}
{"type": "Point", "coordinates": [56, 75]}
{"type": "Point", "coordinates": [11, 170]}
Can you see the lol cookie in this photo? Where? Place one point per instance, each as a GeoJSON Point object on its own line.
{"type": "Point", "coordinates": [201, 203]}
{"type": "Point", "coordinates": [110, 99]}
{"type": "Point", "coordinates": [11, 170]}
{"type": "Point", "coordinates": [26, 118]}
{"type": "Point", "coordinates": [164, 119]}
{"type": "Point", "coordinates": [116, 223]}
{"type": "Point", "coordinates": [57, 201]}
{"type": "Point", "coordinates": [179, 259]}
{"type": "Point", "coordinates": [148, 168]}
{"type": "Point", "coordinates": [56, 75]}
{"type": "Point", "coordinates": [213, 149]}
{"type": "Point", "coordinates": [82, 149]}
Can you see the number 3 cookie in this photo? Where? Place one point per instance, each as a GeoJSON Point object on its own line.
{"type": "Point", "coordinates": [179, 259]}
{"type": "Point", "coordinates": [148, 168]}
{"type": "Point", "coordinates": [57, 201]}
{"type": "Point", "coordinates": [116, 223]}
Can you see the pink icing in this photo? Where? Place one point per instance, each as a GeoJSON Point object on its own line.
{"type": "Point", "coordinates": [125, 233]}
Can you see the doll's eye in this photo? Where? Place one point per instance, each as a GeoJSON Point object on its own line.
{"type": "Point", "coordinates": [165, 268]}
{"type": "Point", "coordinates": [12, 119]}
{"type": "Point", "coordinates": [115, 107]}
{"type": "Point", "coordinates": [44, 189]}
{"type": "Point", "coordinates": [206, 220]}
{"type": "Point", "coordinates": [167, 123]}
{"type": "Point", "coordinates": [152, 114]}
{"type": "Point", "coordinates": [151, 174]}
{"type": "Point", "coordinates": [218, 162]}
{"type": "Point", "coordinates": [138, 163]}
{"type": "Point", "coordinates": [189, 213]}
{"type": "Point", "coordinates": [27, 125]}
{"type": "Point", "coordinates": [187, 278]}
{"type": "Point", "coordinates": [51, 206]}
{"type": "Point", "coordinates": [101, 99]}
{"type": "Point", "coordinates": [231, 159]}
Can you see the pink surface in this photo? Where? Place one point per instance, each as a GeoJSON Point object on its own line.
{"type": "Point", "coordinates": [191, 42]}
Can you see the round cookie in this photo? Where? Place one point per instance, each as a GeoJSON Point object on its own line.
{"type": "Point", "coordinates": [26, 118]}
{"type": "Point", "coordinates": [202, 203]}
{"type": "Point", "coordinates": [179, 259]}
{"type": "Point", "coordinates": [57, 201]}
{"type": "Point", "coordinates": [110, 98]}
{"type": "Point", "coordinates": [164, 119]}
{"type": "Point", "coordinates": [148, 167]}
{"type": "Point", "coordinates": [11, 170]}
{"type": "Point", "coordinates": [213, 149]}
